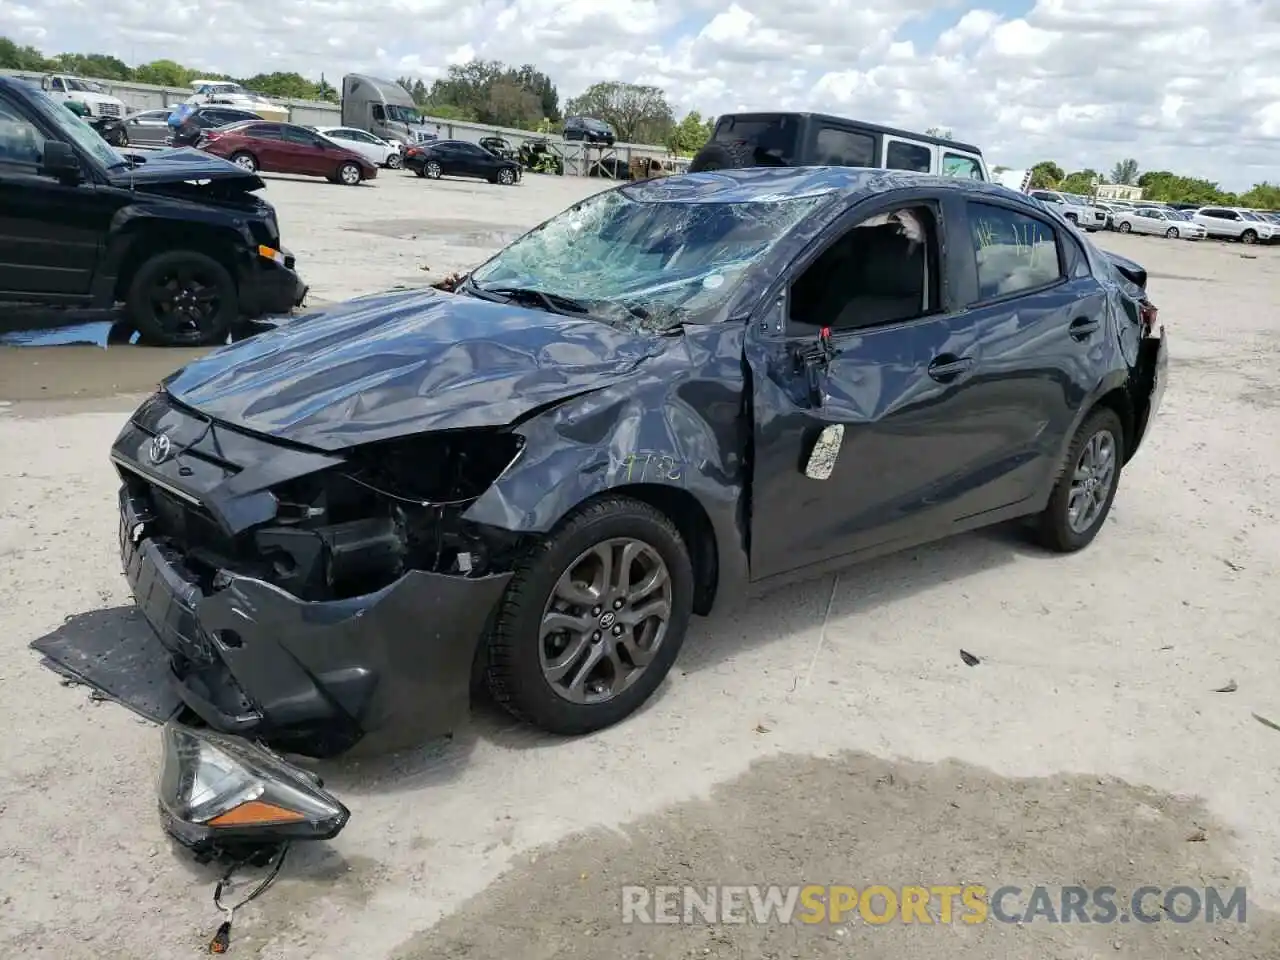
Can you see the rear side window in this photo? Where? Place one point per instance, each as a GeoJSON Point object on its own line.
{"type": "Point", "coordinates": [845, 148]}
{"type": "Point", "coordinates": [1016, 253]}
{"type": "Point", "coordinates": [958, 165]}
{"type": "Point", "coordinates": [908, 156]}
{"type": "Point", "coordinates": [773, 138]}
{"type": "Point", "coordinates": [263, 131]}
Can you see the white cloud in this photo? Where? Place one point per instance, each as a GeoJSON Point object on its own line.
{"type": "Point", "coordinates": [1190, 85]}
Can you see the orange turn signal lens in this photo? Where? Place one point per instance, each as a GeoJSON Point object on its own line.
{"type": "Point", "coordinates": [255, 813]}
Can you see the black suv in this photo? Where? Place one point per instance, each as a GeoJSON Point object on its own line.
{"type": "Point", "coordinates": [589, 130]}
{"type": "Point", "coordinates": [178, 237]}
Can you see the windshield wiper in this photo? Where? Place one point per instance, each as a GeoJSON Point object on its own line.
{"type": "Point", "coordinates": [530, 297]}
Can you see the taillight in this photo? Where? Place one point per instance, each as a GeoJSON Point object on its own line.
{"type": "Point", "coordinates": [1148, 314]}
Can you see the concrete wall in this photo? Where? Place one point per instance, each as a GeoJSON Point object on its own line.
{"type": "Point", "coordinates": [313, 113]}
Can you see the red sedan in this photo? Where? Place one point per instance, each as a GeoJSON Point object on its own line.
{"type": "Point", "coordinates": [287, 148]}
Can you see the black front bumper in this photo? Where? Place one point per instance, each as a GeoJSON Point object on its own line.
{"type": "Point", "coordinates": [267, 287]}
{"type": "Point", "coordinates": [313, 678]}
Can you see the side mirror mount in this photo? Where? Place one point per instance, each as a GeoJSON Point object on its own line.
{"type": "Point", "coordinates": [60, 161]}
{"type": "Point", "coordinates": [826, 449]}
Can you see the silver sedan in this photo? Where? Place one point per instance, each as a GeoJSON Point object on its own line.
{"type": "Point", "coordinates": [1160, 223]}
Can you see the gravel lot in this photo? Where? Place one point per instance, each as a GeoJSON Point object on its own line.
{"type": "Point", "coordinates": [826, 734]}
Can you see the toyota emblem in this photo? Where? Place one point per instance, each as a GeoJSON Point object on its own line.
{"type": "Point", "coordinates": [160, 448]}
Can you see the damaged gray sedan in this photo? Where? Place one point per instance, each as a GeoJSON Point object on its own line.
{"type": "Point", "coordinates": [674, 393]}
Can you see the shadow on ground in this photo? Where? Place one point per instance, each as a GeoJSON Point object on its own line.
{"type": "Point", "coordinates": [858, 821]}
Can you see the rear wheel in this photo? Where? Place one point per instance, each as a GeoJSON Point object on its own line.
{"type": "Point", "coordinates": [592, 619]}
{"type": "Point", "coordinates": [1082, 497]}
{"type": "Point", "coordinates": [395, 161]}
{"type": "Point", "coordinates": [245, 161]}
{"type": "Point", "coordinates": [433, 170]}
{"type": "Point", "coordinates": [349, 174]}
{"type": "Point", "coordinates": [182, 298]}
{"type": "Point", "coordinates": [722, 156]}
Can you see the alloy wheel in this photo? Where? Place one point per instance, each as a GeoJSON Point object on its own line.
{"type": "Point", "coordinates": [506, 177]}
{"type": "Point", "coordinates": [185, 300]}
{"type": "Point", "coordinates": [1125, 227]}
{"type": "Point", "coordinates": [606, 618]}
{"type": "Point", "coordinates": [246, 162]}
{"type": "Point", "coordinates": [1173, 233]}
{"type": "Point", "coordinates": [1095, 472]}
{"type": "Point", "coordinates": [433, 170]}
{"type": "Point", "coordinates": [395, 161]}
{"type": "Point", "coordinates": [349, 174]}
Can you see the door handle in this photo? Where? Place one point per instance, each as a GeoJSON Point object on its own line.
{"type": "Point", "coordinates": [1083, 328]}
{"type": "Point", "coordinates": [947, 367]}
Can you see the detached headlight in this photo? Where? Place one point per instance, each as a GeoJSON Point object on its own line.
{"type": "Point", "coordinates": [220, 793]}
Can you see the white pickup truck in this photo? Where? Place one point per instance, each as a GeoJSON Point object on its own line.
{"type": "Point", "coordinates": [65, 88]}
{"type": "Point", "coordinates": [1079, 210]}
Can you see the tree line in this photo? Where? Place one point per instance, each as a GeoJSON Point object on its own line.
{"type": "Point", "coordinates": [487, 92]}
{"type": "Point", "coordinates": [1161, 185]}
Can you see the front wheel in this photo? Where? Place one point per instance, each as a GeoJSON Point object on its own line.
{"type": "Point", "coordinates": [1125, 227]}
{"type": "Point", "coordinates": [349, 174]}
{"type": "Point", "coordinates": [1172, 233]}
{"type": "Point", "coordinates": [1083, 495]}
{"type": "Point", "coordinates": [592, 619]}
{"type": "Point", "coordinates": [182, 298]}
{"type": "Point", "coordinates": [1249, 236]}
{"type": "Point", "coordinates": [506, 177]}
{"type": "Point", "coordinates": [1072, 219]}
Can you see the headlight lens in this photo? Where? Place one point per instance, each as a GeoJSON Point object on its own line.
{"type": "Point", "coordinates": [222, 790]}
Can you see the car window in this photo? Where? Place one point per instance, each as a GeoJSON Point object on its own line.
{"type": "Point", "coordinates": [1047, 197]}
{"type": "Point", "coordinates": [262, 131]}
{"type": "Point", "coordinates": [20, 141]}
{"type": "Point", "coordinates": [298, 135]}
{"type": "Point", "coordinates": [908, 156]}
{"type": "Point", "coordinates": [958, 165]}
{"type": "Point", "coordinates": [772, 137]}
{"type": "Point", "coordinates": [845, 148]}
{"type": "Point", "coordinates": [58, 84]}
{"type": "Point", "coordinates": [883, 270]}
{"type": "Point", "coordinates": [1015, 252]}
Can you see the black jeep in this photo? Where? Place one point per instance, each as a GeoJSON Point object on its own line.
{"type": "Point", "coordinates": [177, 236]}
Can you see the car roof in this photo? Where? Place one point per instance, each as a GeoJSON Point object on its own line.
{"type": "Point", "coordinates": [772, 183]}
{"type": "Point", "coordinates": [847, 121]}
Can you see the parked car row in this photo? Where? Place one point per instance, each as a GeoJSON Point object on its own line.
{"type": "Point", "coordinates": [1193, 223]}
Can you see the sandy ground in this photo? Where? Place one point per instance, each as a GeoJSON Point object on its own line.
{"type": "Point", "coordinates": [829, 733]}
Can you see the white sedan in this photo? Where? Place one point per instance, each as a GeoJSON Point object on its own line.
{"type": "Point", "coordinates": [373, 149]}
{"type": "Point", "coordinates": [1160, 223]}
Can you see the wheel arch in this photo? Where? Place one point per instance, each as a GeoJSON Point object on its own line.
{"type": "Point", "coordinates": [139, 242]}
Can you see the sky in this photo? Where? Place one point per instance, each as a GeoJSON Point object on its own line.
{"type": "Point", "coordinates": [1187, 85]}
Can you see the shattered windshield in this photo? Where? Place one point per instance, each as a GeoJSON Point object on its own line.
{"type": "Point", "coordinates": [79, 131]}
{"type": "Point", "coordinates": [650, 265]}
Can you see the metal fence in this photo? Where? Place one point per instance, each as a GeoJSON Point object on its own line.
{"type": "Point", "coordinates": [575, 158]}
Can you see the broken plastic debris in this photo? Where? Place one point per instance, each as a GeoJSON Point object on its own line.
{"type": "Point", "coordinates": [969, 658]}
{"type": "Point", "coordinates": [1229, 688]}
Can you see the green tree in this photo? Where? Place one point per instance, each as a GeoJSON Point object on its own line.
{"type": "Point", "coordinates": [688, 136]}
{"type": "Point", "coordinates": [1081, 181]}
{"type": "Point", "coordinates": [289, 86]}
{"type": "Point", "coordinates": [97, 65]}
{"type": "Point", "coordinates": [1263, 196]}
{"type": "Point", "coordinates": [1125, 171]}
{"type": "Point", "coordinates": [1046, 175]}
{"type": "Point", "coordinates": [488, 91]}
{"type": "Point", "coordinates": [14, 57]}
{"type": "Point", "coordinates": [638, 113]}
{"type": "Point", "coordinates": [163, 73]}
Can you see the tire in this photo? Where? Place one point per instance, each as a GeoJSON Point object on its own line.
{"type": "Point", "coordinates": [722, 156]}
{"type": "Point", "coordinates": [395, 161]}
{"type": "Point", "coordinates": [1072, 219]}
{"type": "Point", "coordinates": [1249, 236]}
{"type": "Point", "coordinates": [350, 175]}
{"type": "Point", "coordinates": [1055, 529]}
{"type": "Point", "coordinates": [1125, 226]}
{"type": "Point", "coordinates": [178, 271]}
{"type": "Point", "coordinates": [520, 657]}
{"type": "Point", "coordinates": [1172, 233]}
{"type": "Point", "coordinates": [505, 177]}
{"type": "Point", "coordinates": [245, 160]}
{"type": "Point", "coordinates": [432, 170]}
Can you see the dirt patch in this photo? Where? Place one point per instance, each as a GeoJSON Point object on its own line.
{"type": "Point", "coordinates": [859, 821]}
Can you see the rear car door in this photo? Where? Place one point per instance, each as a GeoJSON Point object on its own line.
{"type": "Point", "coordinates": [266, 140]}
{"type": "Point", "coordinates": [308, 153]}
{"type": "Point", "coordinates": [897, 385]}
{"type": "Point", "coordinates": [50, 232]}
{"type": "Point", "coordinates": [148, 128]}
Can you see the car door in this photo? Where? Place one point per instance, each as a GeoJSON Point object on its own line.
{"type": "Point", "coordinates": [50, 231]}
{"type": "Point", "coordinates": [480, 162]}
{"type": "Point", "coordinates": [897, 383]}
{"type": "Point", "coordinates": [1215, 222]}
{"type": "Point", "coordinates": [267, 142]}
{"type": "Point", "coordinates": [365, 145]}
{"type": "Point", "coordinates": [148, 128]}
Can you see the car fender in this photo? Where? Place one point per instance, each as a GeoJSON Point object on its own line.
{"type": "Point", "coordinates": [675, 435]}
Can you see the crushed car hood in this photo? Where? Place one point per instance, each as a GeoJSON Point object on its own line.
{"type": "Point", "coordinates": [402, 363]}
{"type": "Point", "coordinates": [180, 165]}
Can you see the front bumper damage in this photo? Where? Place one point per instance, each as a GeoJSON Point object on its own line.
{"type": "Point", "coordinates": [268, 283]}
{"type": "Point", "coordinates": [311, 677]}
